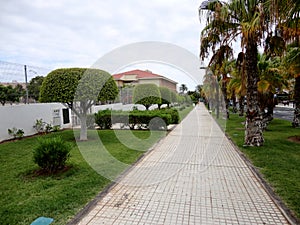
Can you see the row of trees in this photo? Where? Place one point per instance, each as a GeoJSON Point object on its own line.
{"type": "Point", "coordinates": [151, 94]}
{"type": "Point", "coordinates": [80, 88]}
{"type": "Point", "coordinates": [272, 24]}
{"type": "Point", "coordinates": [10, 94]}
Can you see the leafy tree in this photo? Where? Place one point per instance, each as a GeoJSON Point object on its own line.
{"type": "Point", "coordinates": [79, 89]}
{"type": "Point", "coordinates": [10, 94]}
{"type": "Point", "coordinates": [3, 94]}
{"type": "Point", "coordinates": [147, 95]}
{"type": "Point", "coordinates": [173, 97]}
{"type": "Point", "coordinates": [165, 96]}
{"type": "Point", "coordinates": [34, 87]}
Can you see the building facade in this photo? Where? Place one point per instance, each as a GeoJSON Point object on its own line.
{"type": "Point", "coordinates": [134, 77]}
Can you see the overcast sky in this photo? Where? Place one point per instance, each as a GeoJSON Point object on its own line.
{"type": "Point", "coordinates": [75, 33]}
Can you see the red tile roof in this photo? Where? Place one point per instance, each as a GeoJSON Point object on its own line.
{"type": "Point", "coordinates": [140, 74]}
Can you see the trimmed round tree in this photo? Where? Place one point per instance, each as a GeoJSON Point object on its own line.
{"type": "Point", "coordinates": [79, 89]}
{"type": "Point", "coordinates": [165, 96]}
{"type": "Point", "coordinates": [146, 95]}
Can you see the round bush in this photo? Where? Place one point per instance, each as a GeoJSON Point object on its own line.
{"type": "Point", "coordinates": [51, 154]}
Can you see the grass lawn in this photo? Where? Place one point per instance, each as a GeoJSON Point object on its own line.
{"type": "Point", "coordinates": [24, 196]}
{"type": "Point", "coordinates": [278, 160]}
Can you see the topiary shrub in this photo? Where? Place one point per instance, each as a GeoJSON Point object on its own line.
{"type": "Point", "coordinates": [51, 154]}
{"type": "Point", "coordinates": [103, 119]}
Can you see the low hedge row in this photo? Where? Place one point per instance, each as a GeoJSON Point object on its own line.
{"type": "Point", "coordinates": [149, 119]}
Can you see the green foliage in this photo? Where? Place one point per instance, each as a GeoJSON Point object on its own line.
{"type": "Point", "coordinates": [26, 194]}
{"type": "Point", "coordinates": [16, 133]}
{"type": "Point", "coordinates": [173, 97]}
{"type": "Point", "coordinates": [60, 85]}
{"type": "Point", "coordinates": [183, 88]}
{"type": "Point", "coordinates": [34, 87]}
{"type": "Point", "coordinates": [42, 127]}
{"type": "Point", "coordinates": [51, 154]}
{"type": "Point", "coordinates": [147, 95]}
{"type": "Point", "coordinates": [79, 85]}
{"type": "Point", "coordinates": [103, 119]}
{"type": "Point", "coordinates": [166, 97]}
{"type": "Point", "coordinates": [56, 128]}
{"type": "Point", "coordinates": [10, 94]}
{"type": "Point", "coordinates": [96, 85]}
{"type": "Point", "coordinates": [137, 118]}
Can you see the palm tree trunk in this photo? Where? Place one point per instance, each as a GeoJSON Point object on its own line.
{"type": "Point", "coordinates": [253, 125]}
{"type": "Point", "coordinates": [226, 100]}
{"type": "Point", "coordinates": [241, 105]}
{"type": "Point", "coordinates": [296, 120]}
{"type": "Point", "coordinates": [233, 98]}
{"type": "Point", "coordinates": [217, 100]}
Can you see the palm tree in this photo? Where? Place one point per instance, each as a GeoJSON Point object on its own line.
{"type": "Point", "coordinates": [183, 88]}
{"type": "Point", "coordinates": [210, 87]}
{"type": "Point", "coordinates": [270, 79]}
{"type": "Point", "coordinates": [292, 62]}
{"type": "Point", "coordinates": [239, 19]}
{"type": "Point", "coordinates": [286, 15]}
{"type": "Point", "coordinates": [219, 64]}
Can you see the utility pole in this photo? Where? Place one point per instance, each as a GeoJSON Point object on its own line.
{"type": "Point", "coordinates": [25, 70]}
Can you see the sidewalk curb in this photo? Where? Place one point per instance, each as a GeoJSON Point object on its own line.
{"type": "Point", "coordinates": [288, 214]}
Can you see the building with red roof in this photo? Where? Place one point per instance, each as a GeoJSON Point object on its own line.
{"type": "Point", "coordinates": [134, 77]}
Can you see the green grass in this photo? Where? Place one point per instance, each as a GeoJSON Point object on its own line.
{"type": "Point", "coordinates": [24, 196]}
{"type": "Point", "coordinates": [278, 160]}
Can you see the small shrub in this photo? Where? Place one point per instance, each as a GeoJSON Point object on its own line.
{"type": "Point", "coordinates": [48, 128]}
{"type": "Point", "coordinates": [103, 119]}
{"type": "Point", "coordinates": [56, 128]}
{"type": "Point", "coordinates": [51, 154]}
{"type": "Point", "coordinates": [16, 133]}
{"type": "Point", "coordinates": [42, 127]}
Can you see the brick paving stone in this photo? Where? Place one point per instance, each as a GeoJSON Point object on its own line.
{"type": "Point", "coordinates": [193, 176]}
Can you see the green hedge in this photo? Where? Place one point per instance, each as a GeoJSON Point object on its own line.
{"type": "Point", "coordinates": [153, 119]}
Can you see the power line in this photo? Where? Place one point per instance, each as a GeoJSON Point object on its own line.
{"type": "Point", "coordinates": [14, 72]}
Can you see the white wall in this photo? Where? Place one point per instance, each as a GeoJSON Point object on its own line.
{"type": "Point", "coordinates": [24, 117]}
{"type": "Point", "coordinates": [117, 106]}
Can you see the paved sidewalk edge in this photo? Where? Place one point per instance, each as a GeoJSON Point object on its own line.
{"type": "Point", "coordinates": [90, 205]}
{"type": "Point", "coordinates": [288, 213]}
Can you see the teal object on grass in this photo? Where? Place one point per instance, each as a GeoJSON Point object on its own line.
{"type": "Point", "coordinates": [42, 221]}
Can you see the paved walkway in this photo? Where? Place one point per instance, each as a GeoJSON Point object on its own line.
{"type": "Point", "coordinates": [193, 176]}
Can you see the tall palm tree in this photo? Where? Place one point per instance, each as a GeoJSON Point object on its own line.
{"type": "Point", "coordinates": [219, 64]}
{"type": "Point", "coordinates": [239, 19]}
{"type": "Point", "coordinates": [292, 63]}
{"type": "Point", "coordinates": [286, 15]}
{"type": "Point", "coordinates": [210, 89]}
{"type": "Point", "coordinates": [270, 79]}
{"type": "Point", "coordinates": [183, 88]}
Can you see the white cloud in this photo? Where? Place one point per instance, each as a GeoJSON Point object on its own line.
{"type": "Point", "coordinates": [64, 33]}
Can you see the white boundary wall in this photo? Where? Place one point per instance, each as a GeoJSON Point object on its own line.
{"type": "Point", "coordinates": [25, 116]}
